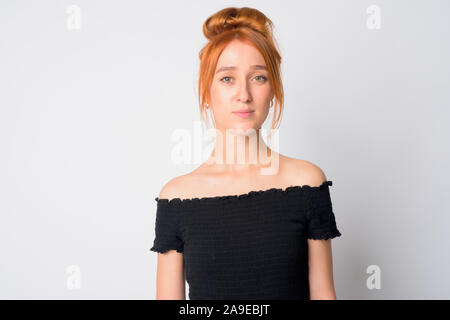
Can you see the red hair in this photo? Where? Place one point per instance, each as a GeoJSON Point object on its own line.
{"type": "Point", "coordinates": [248, 25]}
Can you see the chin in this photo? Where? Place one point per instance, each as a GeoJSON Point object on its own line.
{"type": "Point", "coordinates": [246, 130]}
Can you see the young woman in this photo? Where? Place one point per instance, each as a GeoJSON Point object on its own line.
{"type": "Point", "coordinates": [244, 229]}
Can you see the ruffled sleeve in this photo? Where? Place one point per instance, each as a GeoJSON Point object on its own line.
{"type": "Point", "coordinates": [321, 223]}
{"type": "Point", "coordinates": [167, 235]}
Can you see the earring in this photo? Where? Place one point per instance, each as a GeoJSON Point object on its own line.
{"type": "Point", "coordinates": [207, 105]}
{"type": "Point", "coordinates": [271, 103]}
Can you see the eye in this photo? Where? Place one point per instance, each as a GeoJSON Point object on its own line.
{"type": "Point", "coordinates": [263, 78]}
{"type": "Point", "coordinates": [225, 78]}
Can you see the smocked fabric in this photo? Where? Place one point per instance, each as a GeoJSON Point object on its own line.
{"type": "Point", "coordinates": [247, 246]}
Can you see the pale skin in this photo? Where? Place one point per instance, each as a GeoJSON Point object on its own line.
{"type": "Point", "coordinates": [233, 89]}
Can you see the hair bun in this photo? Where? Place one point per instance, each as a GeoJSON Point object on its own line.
{"type": "Point", "coordinates": [232, 18]}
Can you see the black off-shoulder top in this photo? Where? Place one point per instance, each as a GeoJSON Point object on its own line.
{"type": "Point", "coordinates": [247, 246]}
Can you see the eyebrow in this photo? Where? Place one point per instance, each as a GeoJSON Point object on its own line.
{"type": "Point", "coordinates": [256, 67]}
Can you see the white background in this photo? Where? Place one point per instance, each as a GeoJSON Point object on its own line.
{"type": "Point", "coordinates": [87, 115]}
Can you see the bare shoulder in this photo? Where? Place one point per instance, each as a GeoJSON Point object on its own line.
{"type": "Point", "coordinates": [175, 187]}
{"type": "Point", "coordinates": [306, 172]}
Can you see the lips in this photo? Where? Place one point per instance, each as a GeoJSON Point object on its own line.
{"type": "Point", "coordinates": [244, 110]}
{"type": "Point", "coordinates": [243, 113]}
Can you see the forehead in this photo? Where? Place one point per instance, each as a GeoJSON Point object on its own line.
{"type": "Point", "coordinates": [240, 54]}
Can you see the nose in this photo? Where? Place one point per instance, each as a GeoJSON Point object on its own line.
{"type": "Point", "coordinates": [243, 93]}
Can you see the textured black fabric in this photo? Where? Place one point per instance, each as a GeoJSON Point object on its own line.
{"type": "Point", "coordinates": [248, 246]}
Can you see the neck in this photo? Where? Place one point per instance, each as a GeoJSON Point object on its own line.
{"type": "Point", "coordinates": [239, 152]}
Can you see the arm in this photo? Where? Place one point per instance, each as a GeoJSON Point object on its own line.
{"type": "Point", "coordinates": [320, 264]}
{"type": "Point", "coordinates": [170, 282]}
{"type": "Point", "coordinates": [321, 284]}
{"type": "Point", "coordinates": [170, 279]}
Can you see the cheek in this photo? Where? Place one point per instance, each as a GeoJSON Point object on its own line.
{"type": "Point", "coordinates": [220, 94]}
{"type": "Point", "coordinates": [263, 113]}
{"type": "Point", "coordinates": [264, 91]}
